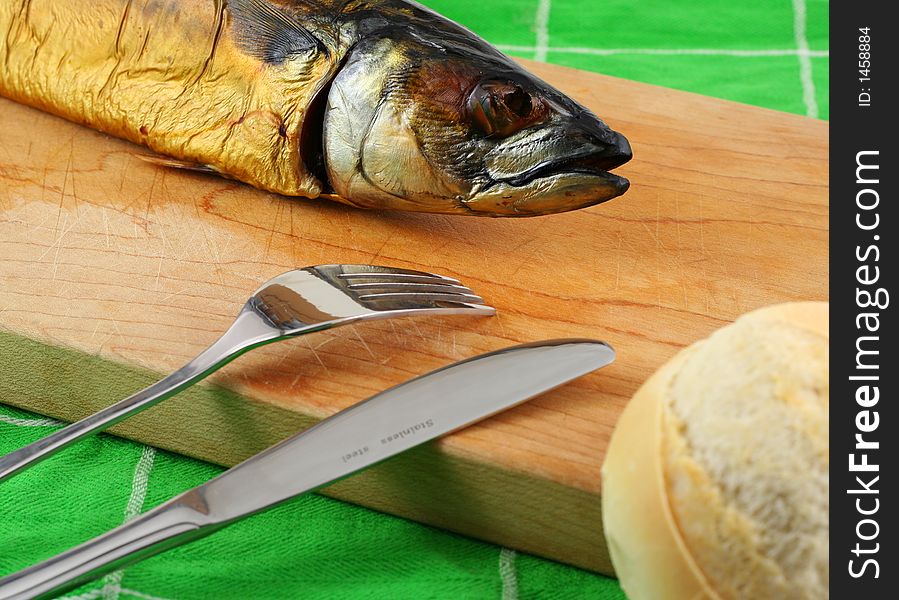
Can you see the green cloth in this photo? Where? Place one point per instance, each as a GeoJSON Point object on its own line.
{"type": "Point", "coordinates": [315, 547]}
{"type": "Point", "coordinates": [762, 52]}
{"type": "Point", "coordinates": [312, 547]}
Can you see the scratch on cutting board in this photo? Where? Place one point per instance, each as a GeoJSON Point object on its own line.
{"type": "Point", "coordinates": [124, 172]}
{"type": "Point", "coordinates": [314, 354]}
{"type": "Point", "coordinates": [367, 349]}
{"type": "Point", "coordinates": [189, 243]}
{"type": "Point", "coordinates": [294, 246]}
{"type": "Point", "coordinates": [752, 247]}
{"type": "Point", "coordinates": [705, 278]}
{"type": "Point", "coordinates": [73, 170]}
{"type": "Point", "coordinates": [701, 236]}
{"type": "Point", "coordinates": [396, 334]}
{"type": "Point", "coordinates": [534, 255]}
{"type": "Point", "coordinates": [498, 319]}
{"type": "Point", "coordinates": [660, 246]}
{"type": "Point", "coordinates": [178, 293]}
{"type": "Point", "coordinates": [106, 226]}
{"type": "Point", "coordinates": [110, 335]}
{"type": "Point", "coordinates": [56, 243]}
{"type": "Point", "coordinates": [150, 191]}
{"type": "Point", "coordinates": [159, 270]}
{"type": "Point", "coordinates": [733, 288]}
{"type": "Point", "coordinates": [213, 250]}
{"type": "Point", "coordinates": [293, 383]}
{"type": "Point", "coordinates": [53, 244]}
{"type": "Point", "coordinates": [281, 360]}
{"type": "Point", "coordinates": [415, 326]}
{"type": "Point", "coordinates": [56, 267]}
{"type": "Point", "coordinates": [105, 341]}
{"type": "Point", "coordinates": [324, 342]}
{"type": "Point", "coordinates": [161, 256]}
{"type": "Point", "coordinates": [150, 197]}
{"type": "Point", "coordinates": [271, 234]}
{"type": "Point", "coordinates": [94, 333]}
{"type": "Point", "coordinates": [44, 182]}
{"type": "Point", "coordinates": [378, 252]}
{"type": "Point", "coordinates": [654, 236]}
{"type": "Point", "coordinates": [62, 195]}
{"type": "Point", "coordinates": [677, 238]}
{"type": "Point", "coordinates": [165, 240]}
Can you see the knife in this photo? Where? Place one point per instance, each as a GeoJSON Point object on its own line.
{"type": "Point", "coordinates": [358, 437]}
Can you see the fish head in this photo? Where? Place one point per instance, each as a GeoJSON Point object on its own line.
{"type": "Point", "coordinates": [435, 128]}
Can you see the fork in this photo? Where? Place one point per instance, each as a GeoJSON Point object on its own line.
{"type": "Point", "coordinates": [294, 303]}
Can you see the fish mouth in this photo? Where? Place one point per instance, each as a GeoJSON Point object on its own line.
{"type": "Point", "coordinates": [574, 180]}
{"type": "Point", "coordinates": [587, 161]}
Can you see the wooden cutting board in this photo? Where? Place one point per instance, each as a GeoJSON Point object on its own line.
{"type": "Point", "coordinates": [114, 271]}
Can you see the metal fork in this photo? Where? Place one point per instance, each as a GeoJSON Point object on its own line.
{"type": "Point", "coordinates": [291, 304]}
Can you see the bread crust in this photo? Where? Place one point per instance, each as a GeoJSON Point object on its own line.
{"type": "Point", "coordinates": [640, 529]}
{"type": "Point", "coordinates": [649, 550]}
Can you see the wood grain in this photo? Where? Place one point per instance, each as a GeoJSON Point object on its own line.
{"type": "Point", "coordinates": [113, 271]}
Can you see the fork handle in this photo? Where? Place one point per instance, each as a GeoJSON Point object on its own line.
{"type": "Point", "coordinates": [249, 330]}
{"type": "Point", "coordinates": [169, 525]}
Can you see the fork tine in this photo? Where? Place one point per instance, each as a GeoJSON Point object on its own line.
{"type": "Point", "coordinates": [466, 307]}
{"type": "Point", "coordinates": [366, 269]}
{"type": "Point", "coordinates": [410, 287]}
{"type": "Point", "coordinates": [435, 305]}
{"type": "Point", "coordinates": [423, 297]}
{"type": "Point", "coordinates": [401, 277]}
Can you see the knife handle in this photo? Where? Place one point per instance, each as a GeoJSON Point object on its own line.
{"type": "Point", "coordinates": [169, 525]}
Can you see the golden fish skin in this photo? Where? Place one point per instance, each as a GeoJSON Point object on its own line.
{"type": "Point", "coordinates": [167, 75]}
{"type": "Point", "coordinates": [379, 104]}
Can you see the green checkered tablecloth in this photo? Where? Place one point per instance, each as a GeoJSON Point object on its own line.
{"type": "Point", "coordinates": [771, 53]}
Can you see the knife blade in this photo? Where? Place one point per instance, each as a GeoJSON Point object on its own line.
{"type": "Point", "coordinates": [353, 439]}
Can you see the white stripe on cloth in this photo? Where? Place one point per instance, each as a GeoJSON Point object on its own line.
{"type": "Point", "coordinates": [541, 26]}
{"type": "Point", "coordinates": [113, 585]}
{"type": "Point", "coordinates": [805, 64]}
{"type": "Point", "coordinates": [93, 594]}
{"type": "Point", "coordinates": [672, 51]}
{"type": "Point", "coordinates": [141, 595]}
{"type": "Point", "coordinates": [86, 595]}
{"type": "Point", "coordinates": [113, 581]}
{"type": "Point", "coordinates": [30, 422]}
{"type": "Point", "coordinates": [507, 574]}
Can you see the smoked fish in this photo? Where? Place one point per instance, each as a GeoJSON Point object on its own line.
{"type": "Point", "coordinates": [374, 103]}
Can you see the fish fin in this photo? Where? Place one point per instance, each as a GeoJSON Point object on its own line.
{"type": "Point", "coordinates": [333, 197]}
{"type": "Point", "coordinates": [268, 32]}
{"type": "Point", "coordinates": [174, 163]}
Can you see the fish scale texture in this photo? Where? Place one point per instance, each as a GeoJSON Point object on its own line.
{"type": "Point", "coordinates": [315, 547]}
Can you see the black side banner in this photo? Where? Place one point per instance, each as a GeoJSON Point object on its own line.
{"type": "Point", "coordinates": [863, 361]}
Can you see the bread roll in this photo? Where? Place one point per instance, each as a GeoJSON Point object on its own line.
{"type": "Point", "coordinates": [715, 484]}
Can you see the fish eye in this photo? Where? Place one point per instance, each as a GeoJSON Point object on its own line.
{"type": "Point", "coordinates": [500, 108]}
